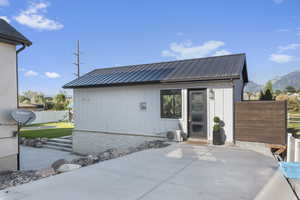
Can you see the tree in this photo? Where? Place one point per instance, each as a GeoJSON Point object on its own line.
{"type": "Point", "coordinates": [39, 98]}
{"type": "Point", "coordinates": [261, 95]}
{"type": "Point", "coordinates": [49, 105]}
{"type": "Point", "coordinates": [35, 97]}
{"type": "Point", "coordinates": [23, 99]}
{"type": "Point", "coordinates": [267, 94]}
{"type": "Point", "coordinates": [290, 89]}
{"type": "Point", "coordinates": [268, 86]}
{"type": "Point", "coordinates": [60, 101]}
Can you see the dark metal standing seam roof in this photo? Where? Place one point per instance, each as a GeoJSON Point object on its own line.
{"type": "Point", "coordinates": [210, 68]}
{"type": "Point", "coordinates": [10, 34]}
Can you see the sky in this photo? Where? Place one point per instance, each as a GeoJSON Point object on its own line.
{"type": "Point", "coordinates": [116, 33]}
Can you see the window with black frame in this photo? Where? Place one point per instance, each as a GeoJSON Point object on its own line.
{"type": "Point", "coordinates": [170, 103]}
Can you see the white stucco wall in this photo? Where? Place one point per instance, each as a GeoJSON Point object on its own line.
{"type": "Point", "coordinates": [8, 93]}
{"type": "Point", "coordinates": [116, 109]}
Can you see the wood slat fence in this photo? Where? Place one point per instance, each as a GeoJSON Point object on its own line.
{"type": "Point", "coordinates": [261, 121]}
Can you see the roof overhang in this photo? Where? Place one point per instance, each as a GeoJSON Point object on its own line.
{"type": "Point", "coordinates": [199, 80]}
{"type": "Point", "coordinates": [13, 40]}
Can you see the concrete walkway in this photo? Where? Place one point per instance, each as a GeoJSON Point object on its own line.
{"type": "Point", "coordinates": [177, 172]}
{"type": "Point", "coordinates": [39, 158]}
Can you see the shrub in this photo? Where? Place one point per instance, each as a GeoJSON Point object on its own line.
{"type": "Point", "coordinates": [217, 125]}
{"type": "Point", "coordinates": [217, 128]}
{"type": "Point", "coordinates": [217, 120]}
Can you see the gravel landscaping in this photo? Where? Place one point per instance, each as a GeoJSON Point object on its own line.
{"type": "Point", "coordinates": [13, 178]}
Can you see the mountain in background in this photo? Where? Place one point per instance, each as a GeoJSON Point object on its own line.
{"type": "Point", "coordinates": [279, 82]}
{"type": "Point", "coordinates": [290, 79]}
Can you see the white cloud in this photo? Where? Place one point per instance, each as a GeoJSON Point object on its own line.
{"type": "Point", "coordinates": [4, 3]}
{"type": "Point", "coordinates": [21, 69]}
{"type": "Point", "coordinates": [292, 46]}
{"type": "Point", "coordinates": [5, 18]}
{"type": "Point", "coordinates": [31, 73]}
{"type": "Point", "coordinates": [282, 30]}
{"type": "Point", "coordinates": [185, 50]}
{"type": "Point", "coordinates": [52, 75]}
{"type": "Point", "coordinates": [221, 53]}
{"type": "Point", "coordinates": [281, 58]}
{"type": "Point", "coordinates": [33, 17]}
{"type": "Point", "coordinates": [278, 1]}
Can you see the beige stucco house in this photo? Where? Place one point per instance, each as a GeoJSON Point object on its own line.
{"type": "Point", "coordinates": [10, 39]}
{"type": "Point", "coordinates": [125, 106]}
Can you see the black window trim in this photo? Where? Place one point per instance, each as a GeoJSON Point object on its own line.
{"type": "Point", "coordinates": [169, 92]}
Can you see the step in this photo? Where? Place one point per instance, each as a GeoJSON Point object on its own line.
{"type": "Point", "coordinates": [57, 140]}
{"type": "Point", "coordinates": [58, 148]}
{"type": "Point", "coordinates": [66, 137]}
{"type": "Point", "coordinates": [58, 144]}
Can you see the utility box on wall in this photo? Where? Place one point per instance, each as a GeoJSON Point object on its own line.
{"type": "Point", "coordinates": [143, 106]}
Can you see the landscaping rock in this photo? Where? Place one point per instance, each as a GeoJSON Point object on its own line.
{"type": "Point", "coordinates": [24, 142]}
{"type": "Point", "coordinates": [38, 144]}
{"type": "Point", "coordinates": [14, 178]}
{"type": "Point", "coordinates": [44, 140]}
{"type": "Point", "coordinates": [30, 142]}
{"type": "Point", "coordinates": [46, 172]}
{"type": "Point", "coordinates": [104, 156]}
{"type": "Point", "coordinates": [114, 153]}
{"type": "Point", "coordinates": [22, 139]}
{"type": "Point", "coordinates": [85, 161]}
{"type": "Point", "coordinates": [68, 167]}
{"type": "Point", "coordinates": [59, 163]}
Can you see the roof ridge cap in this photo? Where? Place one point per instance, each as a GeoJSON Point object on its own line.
{"type": "Point", "coordinates": [191, 59]}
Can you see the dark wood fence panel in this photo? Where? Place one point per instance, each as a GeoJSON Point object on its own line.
{"type": "Point", "coordinates": [261, 121]}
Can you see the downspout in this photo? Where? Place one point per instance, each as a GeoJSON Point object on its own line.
{"type": "Point", "coordinates": [17, 71]}
{"type": "Point", "coordinates": [242, 95]}
{"type": "Point", "coordinates": [17, 76]}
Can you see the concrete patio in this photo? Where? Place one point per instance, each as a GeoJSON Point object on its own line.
{"type": "Point", "coordinates": [179, 171]}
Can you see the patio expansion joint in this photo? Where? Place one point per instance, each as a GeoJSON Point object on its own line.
{"type": "Point", "coordinates": [171, 176]}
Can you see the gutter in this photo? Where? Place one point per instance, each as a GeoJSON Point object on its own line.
{"type": "Point", "coordinates": [17, 76]}
{"type": "Point", "coordinates": [17, 70]}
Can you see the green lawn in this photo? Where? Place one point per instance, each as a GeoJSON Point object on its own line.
{"type": "Point", "coordinates": [61, 129]}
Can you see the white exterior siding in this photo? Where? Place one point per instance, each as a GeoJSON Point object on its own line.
{"type": "Point", "coordinates": [8, 93]}
{"type": "Point", "coordinates": [222, 107]}
{"type": "Point", "coordinates": [116, 109]}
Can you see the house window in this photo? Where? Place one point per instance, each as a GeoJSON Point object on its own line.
{"type": "Point", "coordinates": [170, 103]}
